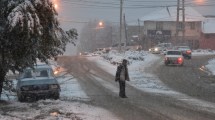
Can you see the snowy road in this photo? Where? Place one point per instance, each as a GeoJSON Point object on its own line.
{"type": "Point", "coordinates": [192, 79]}
{"type": "Point", "coordinates": [99, 85]}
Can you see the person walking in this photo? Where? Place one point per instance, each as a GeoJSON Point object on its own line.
{"type": "Point", "coordinates": [122, 76]}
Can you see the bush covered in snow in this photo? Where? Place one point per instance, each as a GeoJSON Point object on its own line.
{"type": "Point", "coordinates": [204, 51]}
{"type": "Point", "coordinates": [114, 57]}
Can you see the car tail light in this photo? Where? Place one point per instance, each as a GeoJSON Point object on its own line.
{"type": "Point", "coordinates": [188, 51]}
{"type": "Point", "coordinates": [180, 60]}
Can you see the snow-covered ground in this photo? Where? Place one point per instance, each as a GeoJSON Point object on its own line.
{"type": "Point", "coordinates": [145, 81]}
{"type": "Point", "coordinates": [201, 52]}
{"type": "Point", "coordinates": [73, 100]}
{"type": "Point", "coordinates": [54, 110]}
{"type": "Point", "coordinates": [139, 61]}
{"type": "Point", "coordinates": [211, 66]}
{"type": "Point", "coordinates": [138, 75]}
{"type": "Point", "coordinates": [71, 106]}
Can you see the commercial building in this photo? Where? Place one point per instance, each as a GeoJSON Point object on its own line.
{"type": "Point", "coordinates": [160, 26]}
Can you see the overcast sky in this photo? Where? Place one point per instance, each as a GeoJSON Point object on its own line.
{"type": "Point", "coordinates": [74, 13]}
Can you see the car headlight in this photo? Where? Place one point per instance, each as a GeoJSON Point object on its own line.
{"type": "Point", "coordinates": [53, 86]}
{"type": "Point", "coordinates": [156, 49]}
{"type": "Point", "coordinates": [55, 72]}
{"type": "Point", "coordinates": [24, 88]}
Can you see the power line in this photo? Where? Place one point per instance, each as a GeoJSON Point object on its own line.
{"type": "Point", "coordinates": [133, 6]}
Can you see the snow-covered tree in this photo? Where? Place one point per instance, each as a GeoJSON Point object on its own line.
{"type": "Point", "coordinates": [31, 32]}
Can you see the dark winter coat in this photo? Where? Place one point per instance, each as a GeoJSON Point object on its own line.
{"type": "Point", "coordinates": [119, 69]}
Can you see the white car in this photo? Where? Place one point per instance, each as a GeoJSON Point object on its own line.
{"type": "Point", "coordinates": [174, 57]}
{"type": "Point", "coordinates": [155, 50]}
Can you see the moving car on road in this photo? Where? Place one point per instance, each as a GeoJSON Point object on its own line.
{"type": "Point", "coordinates": [186, 51]}
{"type": "Point", "coordinates": [155, 50]}
{"type": "Point", "coordinates": [161, 48]}
{"type": "Point", "coordinates": [174, 57]}
{"type": "Point", "coordinates": [37, 83]}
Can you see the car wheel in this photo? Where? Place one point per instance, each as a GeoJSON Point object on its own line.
{"type": "Point", "coordinates": [56, 96]}
{"type": "Point", "coordinates": [21, 98]}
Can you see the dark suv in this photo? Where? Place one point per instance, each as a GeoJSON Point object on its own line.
{"type": "Point", "coordinates": [186, 51]}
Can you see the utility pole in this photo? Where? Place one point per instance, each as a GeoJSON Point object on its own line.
{"type": "Point", "coordinates": [138, 26]}
{"type": "Point", "coordinates": [139, 32]}
{"type": "Point", "coordinates": [183, 21]}
{"type": "Point", "coordinates": [180, 8]}
{"type": "Point", "coordinates": [126, 34]}
{"type": "Point", "coordinates": [111, 32]}
{"type": "Point", "coordinates": [120, 34]}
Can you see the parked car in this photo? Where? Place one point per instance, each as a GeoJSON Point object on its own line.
{"type": "Point", "coordinates": [186, 51]}
{"type": "Point", "coordinates": [174, 57]}
{"type": "Point", "coordinates": [37, 83]}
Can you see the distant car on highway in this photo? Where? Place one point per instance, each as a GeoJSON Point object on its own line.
{"type": "Point", "coordinates": [173, 57]}
{"type": "Point", "coordinates": [186, 51]}
{"type": "Point", "coordinates": [37, 83]}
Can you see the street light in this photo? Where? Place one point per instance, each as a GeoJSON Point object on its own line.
{"type": "Point", "coordinates": [200, 2]}
{"type": "Point", "coordinates": [55, 6]}
{"type": "Point", "coordinates": [100, 23]}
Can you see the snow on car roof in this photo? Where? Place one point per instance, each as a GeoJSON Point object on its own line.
{"type": "Point", "coordinates": [41, 66]}
{"type": "Point", "coordinates": [37, 78]}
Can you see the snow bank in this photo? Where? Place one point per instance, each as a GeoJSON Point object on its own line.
{"type": "Point", "coordinates": [201, 52]}
{"type": "Point", "coordinates": [114, 57]}
{"type": "Point", "coordinates": [211, 66]}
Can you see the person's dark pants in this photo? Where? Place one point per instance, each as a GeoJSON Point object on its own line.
{"type": "Point", "coordinates": [122, 88]}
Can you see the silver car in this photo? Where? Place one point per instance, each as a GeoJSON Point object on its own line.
{"type": "Point", "coordinates": [173, 57]}
{"type": "Point", "coordinates": [37, 83]}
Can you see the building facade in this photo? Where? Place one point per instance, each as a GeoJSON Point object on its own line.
{"type": "Point", "coordinates": [165, 31]}
{"type": "Point", "coordinates": [208, 34]}
{"type": "Point", "coordinates": [160, 26]}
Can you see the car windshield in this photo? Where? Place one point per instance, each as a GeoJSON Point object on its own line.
{"type": "Point", "coordinates": [29, 73]}
{"type": "Point", "coordinates": [173, 53]}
